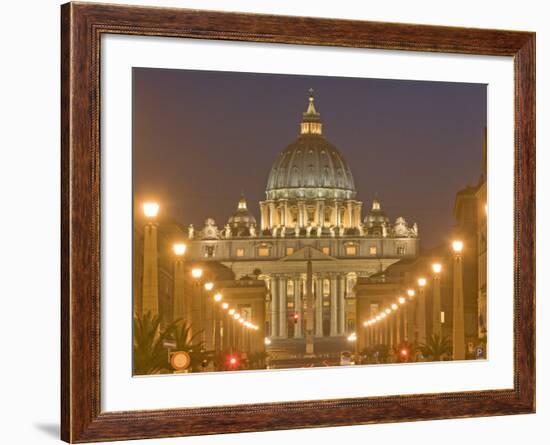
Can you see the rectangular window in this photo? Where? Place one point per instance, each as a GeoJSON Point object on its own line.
{"type": "Point", "coordinates": [289, 250]}
{"type": "Point", "coordinates": [263, 251]}
{"type": "Point", "coordinates": [372, 250]}
{"type": "Point", "coordinates": [240, 251]}
{"type": "Point", "coordinates": [326, 288]}
{"type": "Point", "coordinates": [326, 250]}
{"type": "Point", "coordinates": [290, 288]}
{"type": "Point", "coordinates": [351, 250]}
{"type": "Point", "coordinates": [400, 250]}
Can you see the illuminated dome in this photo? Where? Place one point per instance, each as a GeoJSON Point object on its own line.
{"type": "Point", "coordinates": [310, 167]}
{"type": "Point", "coordinates": [241, 220]}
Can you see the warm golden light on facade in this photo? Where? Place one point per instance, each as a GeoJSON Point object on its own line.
{"type": "Point", "coordinates": [196, 273]}
{"type": "Point", "coordinates": [179, 249]}
{"type": "Point", "coordinates": [151, 209]}
{"type": "Point", "coordinates": [436, 267]}
{"type": "Point", "coordinates": [422, 282]}
{"type": "Point", "coordinates": [208, 286]}
{"type": "Point", "coordinates": [458, 246]}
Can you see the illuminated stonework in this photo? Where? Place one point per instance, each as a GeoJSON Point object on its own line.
{"type": "Point", "coordinates": [311, 211]}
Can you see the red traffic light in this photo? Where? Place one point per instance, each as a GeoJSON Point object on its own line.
{"type": "Point", "coordinates": [232, 361]}
{"type": "Point", "coordinates": [295, 317]}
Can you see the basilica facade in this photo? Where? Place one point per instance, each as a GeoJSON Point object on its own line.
{"type": "Point", "coordinates": [311, 214]}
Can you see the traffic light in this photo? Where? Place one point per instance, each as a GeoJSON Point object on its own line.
{"type": "Point", "coordinates": [232, 362]}
{"type": "Point", "coordinates": [296, 317]}
{"type": "Point", "coordinates": [404, 352]}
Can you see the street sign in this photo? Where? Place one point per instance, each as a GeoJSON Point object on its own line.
{"type": "Point", "coordinates": [169, 344]}
{"type": "Point", "coordinates": [180, 360]}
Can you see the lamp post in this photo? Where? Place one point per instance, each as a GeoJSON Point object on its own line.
{"type": "Point", "coordinates": [459, 352]}
{"type": "Point", "coordinates": [410, 317]}
{"type": "Point", "coordinates": [397, 323]}
{"type": "Point", "coordinates": [179, 309]}
{"type": "Point", "coordinates": [217, 328]}
{"type": "Point", "coordinates": [421, 311]}
{"type": "Point", "coordinates": [224, 326]}
{"type": "Point", "coordinates": [436, 303]}
{"type": "Point", "coordinates": [196, 273]}
{"type": "Point", "coordinates": [353, 339]}
{"type": "Point", "coordinates": [150, 291]}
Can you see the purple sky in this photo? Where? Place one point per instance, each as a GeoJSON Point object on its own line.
{"type": "Point", "coordinates": [202, 137]}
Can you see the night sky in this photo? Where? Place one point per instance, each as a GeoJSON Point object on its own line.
{"type": "Point", "coordinates": [200, 138]}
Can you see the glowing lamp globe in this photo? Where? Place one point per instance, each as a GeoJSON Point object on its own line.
{"type": "Point", "coordinates": [151, 209]}
{"type": "Point", "coordinates": [458, 246]}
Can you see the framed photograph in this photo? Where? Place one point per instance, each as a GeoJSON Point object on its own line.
{"type": "Point", "coordinates": [275, 222]}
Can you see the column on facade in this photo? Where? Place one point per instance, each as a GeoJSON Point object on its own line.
{"type": "Point", "coordinates": [283, 319]}
{"type": "Point", "coordinates": [301, 213]}
{"type": "Point", "coordinates": [342, 304]}
{"type": "Point", "coordinates": [288, 215]}
{"type": "Point", "coordinates": [264, 217]}
{"type": "Point", "coordinates": [392, 329]}
{"type": "Point", "coordinates": [350, 214]}
{"type": "Point", "coordinates": [336, 217]}
{"type": "Point", "coordinates": [274, 306]}
{"type": "Point", "coordinates": [271, 215]}
{"type": "Point", "coordinates": [284, 213]}
{"type": "Point", "coordinates": [333, 306]}
{"type": "Point", "coordinates": [318, 306]}
{"type": "Point", "coordinates": [322, 213]}
{"type": "Point", "coordinates": [298, 332]}
{"type": "Point", "coordinates": [358, 206]}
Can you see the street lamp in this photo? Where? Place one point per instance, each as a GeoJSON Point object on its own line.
{"type": "Point", "coordinates": [353, 339]}
{"type": "Point", "coordinates": [196, 273]}
{"type": "Point", "coordinates": [459, 352]}
{"type": "Point", "coordinates": [218, 297]}
{"type": "Point", "coordinates": [436, 301]}
{"type": "Point", "coordinates": [411, 293]}
{"type": "Point", "coordinates": [180, 308]}
{"type": "Point", "coordinates": [150, 285]}
{"type": "Point", "coordinates": [151, 209]}
{"type": "Point", "coordinates": [208, 286]}
{"type": "Point", "coordinates": [179, 249]}
{"type": "Point", "coordinates": [458, 246]}
{"type": "Point", "coordinates": [421, 311]}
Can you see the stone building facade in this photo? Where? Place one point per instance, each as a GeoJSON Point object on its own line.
{"type": "Point", "coordinates": [311, 212]}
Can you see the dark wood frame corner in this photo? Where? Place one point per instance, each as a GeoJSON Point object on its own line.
{"type": "Point", "coordinates": [82, 25]}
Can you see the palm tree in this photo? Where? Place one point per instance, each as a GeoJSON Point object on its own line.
{"type": "Point", "coordinates": [150, 356]}
{"type": "Point", "coordinates": [436, 348]}
{"type": "Point", "coordinates": [186, 342]}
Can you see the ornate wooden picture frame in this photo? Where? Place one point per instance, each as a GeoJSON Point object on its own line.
{"type": "Point", "coordinates": [82, 27]}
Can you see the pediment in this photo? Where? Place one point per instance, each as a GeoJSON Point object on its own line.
{"type": "Point", "coordinates": [308, 253]}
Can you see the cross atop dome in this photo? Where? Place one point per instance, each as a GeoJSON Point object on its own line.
{"type": "Point", "coordinates": [311, 119]}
